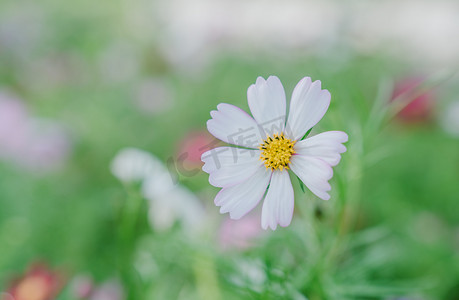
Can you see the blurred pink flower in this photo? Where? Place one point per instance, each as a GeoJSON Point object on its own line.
{"type": "Point", "coordinates": [110, 290]}
{"type": "Point", "coordinates": [421, 103]}
{"type": "Point", "coordinates": [82, 286]}
{"type": "Point", "coordinates": [240, 234]}
{"type": "Point", "coordinates": [32, 143]}
{"type": "Point", "coordinates": [39, 283]}
{"type": "Point", "coordinates": [85, 288]}
{"type": "Point", "coordinates": [48, 145]}
{"type": "Point", "coordinates": [13, 124]}
{"type": "Point", "coordinates": [192, 146]}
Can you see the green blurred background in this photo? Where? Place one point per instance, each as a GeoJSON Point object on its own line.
{"type": "Point", "coordinates": [81, 80]}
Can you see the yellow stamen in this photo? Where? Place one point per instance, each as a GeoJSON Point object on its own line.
{"type": "Point", "coordinates": [276, 152]}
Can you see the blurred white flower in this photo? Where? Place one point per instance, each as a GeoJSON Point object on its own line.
{"type": "Point", "coordinates": [251, 274]}
{"type": "Point", "coordinates": [177, 203]}
{"type": "Point", "coordinates": [423, 30]}
{"type": "Point", "coordinates": [450, 120]}
{"type": "Point", "coordinates": [144, 262]}
{"type": "Point", "coordinates": [168, 200]}
{"type": "Point", "coordinates": [192, 32]}
{"type": "Point", "coordinates": [273, 144]}
{"type": "Point", "coordinates": [131, 165]}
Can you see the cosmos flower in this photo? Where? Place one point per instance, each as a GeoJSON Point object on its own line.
{"type": "Point", "coordinates": [134, 165]}
{"type": "Point", "coordinates": [168, 201]}
{"type": "Point", "coordinates": [269, 145]}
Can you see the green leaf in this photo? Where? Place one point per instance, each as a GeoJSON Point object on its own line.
{"type": "Point", "coordinates": [301, 184]}
{"type": "Point", "coordinates": [307, 133]}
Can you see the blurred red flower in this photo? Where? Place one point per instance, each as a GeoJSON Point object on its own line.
{"type": "Point", "coordinates": [192, 146]}
{"type": "Point", "coordinates": [38, 283]}
{"type": "Point", "coordinates": [420, 107]}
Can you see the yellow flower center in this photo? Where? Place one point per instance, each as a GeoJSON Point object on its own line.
{"type": "Point", "coordinates": [276, 152]}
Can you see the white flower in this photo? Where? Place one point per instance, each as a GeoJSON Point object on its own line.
{"type": "Point", "coordinates": [272, 145]}
{"type": "Point", "coordinates": [250, 274]}
{"type": "Point", "coordinates": [168, 201]}
{"type": "Point", "coordinates": [131, 165]}
{"type": "Point", "coordinates": [168, 205]}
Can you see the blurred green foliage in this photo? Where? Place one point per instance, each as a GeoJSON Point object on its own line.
{"type": "Point", "coordinates": [390, 230]}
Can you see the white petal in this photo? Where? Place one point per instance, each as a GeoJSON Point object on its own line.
{"type": "Point", "coordinates": [314, 173]}
{"type": "Point", "coordinates": [326, 146]}
{"type": "Point", "coordinates": [191, 210]}
{"type": "Point", "coordinates": [229, 166]}
{"type": "Point", "coordinates": [308, 106]}
{"type": "Point", "coordinates": [239, 199]}
{"type": "Point", "coordinates": [161, 215]}
{"type": "Point", "coordinates": [278, 204]}
{"type": "Point", "coordinates": [158, 184]}
{"type": "Point", "coordinates": [131, 164]}
{"type": "Point", "coordinates": [234, 126]}
{"type": "Point", "coordinates": [267, 103]}
{"type": "Point", "coordinates": [175, 203]}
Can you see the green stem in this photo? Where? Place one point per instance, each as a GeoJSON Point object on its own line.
{"type": "Point", "coordinates": [127, 235]}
